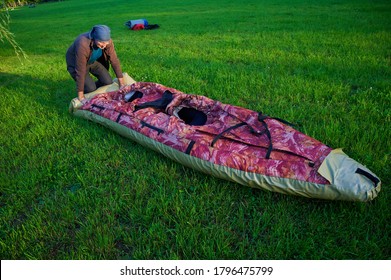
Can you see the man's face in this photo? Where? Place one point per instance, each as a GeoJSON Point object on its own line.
{"type": "Point", "coordinates": [101, 44]}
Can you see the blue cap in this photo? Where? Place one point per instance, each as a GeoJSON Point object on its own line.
{"type": "Point", "coordinates": [100, 33]}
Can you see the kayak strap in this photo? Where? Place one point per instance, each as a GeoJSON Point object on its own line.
{"type": "Point", "coordinates": [374, 179]}
{"type": "Point", "coordinates": [218, 136]}
{"type": "Point", "coordinates": [119, 117]}
{"type": "Point", "coordinates": [190, 147]}
{"type": "Point", "coordinates": [262, 119]}
{"type": "Point", "coordinates": [158, 130]}
{"type": "Point", "coordinates": [269, 136]}
{"type": "Point", "coordinates": [98, 106]}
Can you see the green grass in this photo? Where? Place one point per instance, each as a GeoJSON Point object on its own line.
{"type": "Point", "coordinates": [71, 189]}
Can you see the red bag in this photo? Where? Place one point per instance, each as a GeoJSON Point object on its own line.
{"type": "Point", "coordinates": [139, 26]}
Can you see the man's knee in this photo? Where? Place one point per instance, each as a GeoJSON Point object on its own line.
{"type": "Point", "coordinates": [103, 81]}
{"type": "Point", "coordinates": [103, 75]}
{"type": "Point", "coordinates": [89, 86]}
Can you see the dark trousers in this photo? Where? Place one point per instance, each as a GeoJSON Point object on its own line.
{"type": "Point", "coordinates": [99, 71]}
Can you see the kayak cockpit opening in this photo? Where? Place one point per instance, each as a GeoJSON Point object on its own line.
{"type": "Point", "coordinates": [133, 95]}
{"type": "Point", "coordinates": [190, 116]}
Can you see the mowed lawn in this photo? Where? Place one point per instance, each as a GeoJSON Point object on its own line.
{"type": "Point", "coordinates": [71, 189]}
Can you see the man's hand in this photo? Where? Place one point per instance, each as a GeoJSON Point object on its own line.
{"type": "Point", "coordinates": [121, 82]}
{"type": "Point", "coordinates": [80, 95]}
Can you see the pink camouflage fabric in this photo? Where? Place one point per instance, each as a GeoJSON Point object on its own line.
{"type": "Point", "coordinates": [232, 136]}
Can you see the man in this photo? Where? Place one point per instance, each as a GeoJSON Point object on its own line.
{"type": "Point", "coordinates": [93, 52]}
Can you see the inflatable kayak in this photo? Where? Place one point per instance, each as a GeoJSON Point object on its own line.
{"type": "Point", "coordinates": [228, 141]}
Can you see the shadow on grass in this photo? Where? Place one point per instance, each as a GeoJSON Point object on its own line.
{"type": "Point", "coordinates": [52, 94]}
